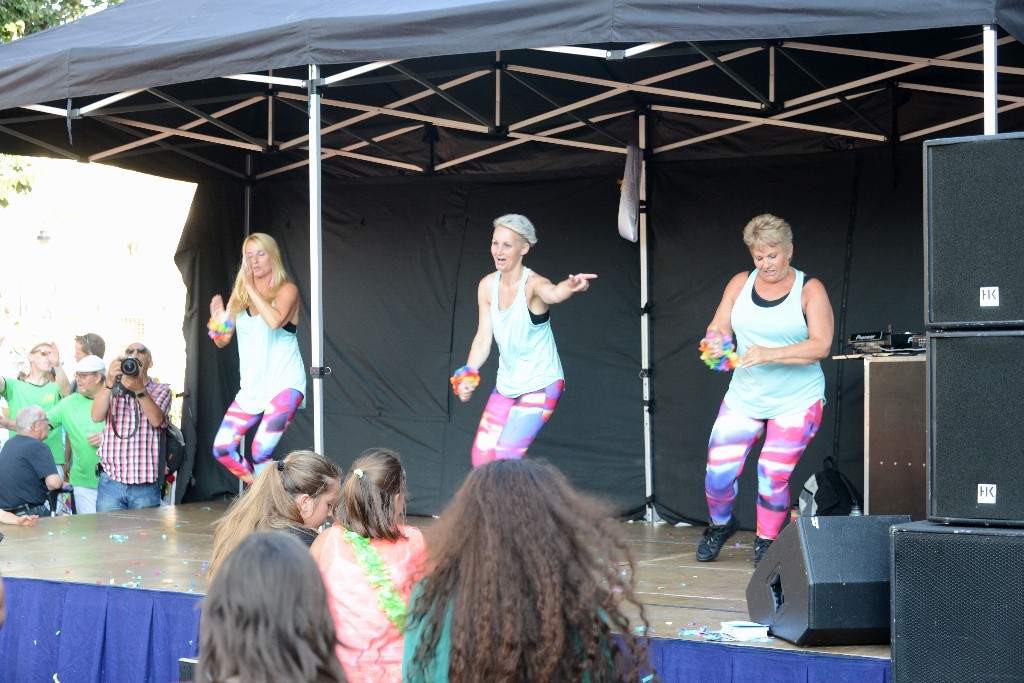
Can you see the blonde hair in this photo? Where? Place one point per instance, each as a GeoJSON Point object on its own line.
{"type": "Point", "coordinates": [768, 230]}
{"type": "Point", "coordinates": [518, 224]}
{"type": "Point", "coordinates": [270, 502]}
{"type": "Point", "coordinates": [239, 296]}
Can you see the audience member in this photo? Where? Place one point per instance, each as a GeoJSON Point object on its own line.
{"type": "Point", "coordinates": [74, 414]}
{"type": "Point", "coordinates": [88, 344]}
{"type": "Point", "coordinates": [527, 581]}
{"type": "Point", "coordinates": [44, 385]}
{"type": "Point", "coordinates": [265, 617]}
{"type": "Point", "coordinates": [13, 519]}
{"type": "Point", "coordinates": [296, 494]}
{"type": "Point", "coordinates": [133, 408]}
{"type": "Point", "coordinates": [26, 466]}
{"type": "Point", "coordinates": [369, 560]}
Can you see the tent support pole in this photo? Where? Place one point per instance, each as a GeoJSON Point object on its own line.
{"type": "Point", "coordinates": [316, 305]}
{"type": "Point", "coordinates": [645, 324]}
{"type": "Point", "coordinates": [250, 166]}
{"type": "Point", "coordinates": [988, 33]}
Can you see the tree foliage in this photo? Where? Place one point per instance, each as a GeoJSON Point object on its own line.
{"type": "Point", "coordinates": [19, 18]}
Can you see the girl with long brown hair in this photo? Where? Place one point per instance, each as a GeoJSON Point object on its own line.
{"type": "Point", "coordinates": [527, 580]}
{"type": "Point", "coordinates": [369, 560]}
{"type": "Point", "coordinates": [296, 495]}
{"type": "Point", "coordinates": [272, 627]}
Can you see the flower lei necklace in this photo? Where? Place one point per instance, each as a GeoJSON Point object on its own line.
{"type": "Point", "coordinates": [377, 575]}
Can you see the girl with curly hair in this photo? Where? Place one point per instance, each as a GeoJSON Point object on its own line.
{"type": "Point", "coordinates": [527, 580]}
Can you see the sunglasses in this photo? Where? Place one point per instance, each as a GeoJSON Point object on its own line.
{"type": "Point", "coordinates": [86, 346]}
{"type": "Point", "coordinates": [132, 350]}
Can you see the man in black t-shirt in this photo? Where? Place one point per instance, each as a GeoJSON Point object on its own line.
{"type": "Point", "coordinates": [26, 466]}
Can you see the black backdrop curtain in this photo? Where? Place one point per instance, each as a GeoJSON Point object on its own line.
{"type": "Point", "coordinates": [402, 259]}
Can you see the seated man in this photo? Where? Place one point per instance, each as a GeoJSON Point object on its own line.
{"type": "Point", "coordinates": [134, 410]}
{"type": "Point", "coordinates": [74, 414]}
{"type": "Point", "coordinates": [26, 466]}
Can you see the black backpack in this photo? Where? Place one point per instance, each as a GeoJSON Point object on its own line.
{"type": "Point", "coordinates": [829, 492]}
{"type": "Point", "coordinates": [172, 448]}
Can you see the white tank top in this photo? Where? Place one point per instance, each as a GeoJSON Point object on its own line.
{"type": "Point", "coordinates": [268, 361]}
{"type": "Point", "coordinates": [528, 359]}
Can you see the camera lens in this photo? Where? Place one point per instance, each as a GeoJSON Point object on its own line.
{"type": "Point", "coordinates": [130, 367]}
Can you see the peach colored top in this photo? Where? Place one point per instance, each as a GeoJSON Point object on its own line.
{"type": "Point", "coordinates": [371, 647]}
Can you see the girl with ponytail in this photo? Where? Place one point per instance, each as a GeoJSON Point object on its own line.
{"type": "Point", "coordinates": [296, 494]}
{"type": "Point", "coordinates": [369, 560]}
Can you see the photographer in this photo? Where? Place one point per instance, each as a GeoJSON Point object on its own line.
{"type": "Point", "coordinates": [134, 409]}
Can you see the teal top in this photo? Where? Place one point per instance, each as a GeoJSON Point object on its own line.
{"type": "Point", "coordinates": [527, 356]}
{"type": "Point", "coordinates": [436, 670]}
{"type": "Point", "coordinates": [768, 391]}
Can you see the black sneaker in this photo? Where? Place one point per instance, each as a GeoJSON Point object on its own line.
{"type": "Point", "coordinates": [761, 546]}
{"type": "Point", "coordinates": [715, 537]}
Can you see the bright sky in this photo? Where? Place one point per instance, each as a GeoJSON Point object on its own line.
{"type": "Point", "coordinates": [108, 266]}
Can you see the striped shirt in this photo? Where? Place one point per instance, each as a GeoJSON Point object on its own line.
{"type": "Point", "coordinates": [132, 455]}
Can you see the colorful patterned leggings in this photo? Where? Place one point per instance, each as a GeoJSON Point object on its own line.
{"type": "Point", "coordinates": [276, 418]}
{"type": "Point", "coordinates": [509, 425]}
{"type": "Point", "coordinates": [732, 438]}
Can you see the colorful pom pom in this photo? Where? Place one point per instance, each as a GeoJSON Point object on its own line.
{"type": "Point", "coordinates": [220, 330]}
{"type": "Point", "coordinates": [465, 373]}
{"type": "Point", "coordinates": [729, 359]}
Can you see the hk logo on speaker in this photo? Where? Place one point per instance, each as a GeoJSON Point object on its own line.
{"type": "Point", "coordinates": [986, 494]}
{"type": "Point", "coordinates": [989, 296]}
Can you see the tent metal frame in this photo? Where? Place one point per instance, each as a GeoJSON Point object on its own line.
{"type": "Point", "coordinates": [309, 95]}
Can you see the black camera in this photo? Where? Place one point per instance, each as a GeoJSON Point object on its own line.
{"type": "Point", "coordinates": [130, 367]}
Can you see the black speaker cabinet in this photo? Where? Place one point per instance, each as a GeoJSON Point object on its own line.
{"type": "Point", "coordinates": [974, 211]}
{"type": "Point", "coordinates": [957, 600]}
{"type": "Point", "coordinates": [975, 441]}
{"type": "Point", "coordinates": [825, 581]}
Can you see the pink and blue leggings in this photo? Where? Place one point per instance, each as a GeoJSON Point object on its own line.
{"type": "Point", "coordinates": [732, 437]}
{"type": "Point", "coordinates": [509, 425]}
{"type": "Point", "coordinates": [276, 418]}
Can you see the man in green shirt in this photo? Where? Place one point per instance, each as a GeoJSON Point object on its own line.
{"type": "Point", "coordinates": [74, 413]}
{"type": "Point", "coordinates": [44, 386]}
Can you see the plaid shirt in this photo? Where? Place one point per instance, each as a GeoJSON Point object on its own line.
{"type": "Point", "coordinates": [134, 459]}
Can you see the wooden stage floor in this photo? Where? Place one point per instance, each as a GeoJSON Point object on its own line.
{"type": "Point", "coordinates": [167, 548]}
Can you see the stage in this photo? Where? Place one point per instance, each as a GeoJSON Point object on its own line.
{"type": "Point", "coordinates": [116, 597]}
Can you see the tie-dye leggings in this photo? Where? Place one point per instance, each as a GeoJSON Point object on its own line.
{"type": "Point", "coordinates": [732, 438]}
{"type": "Point", "coordinates": [509, 425]}
{"type": "Point", "coordinates": [276, 418]}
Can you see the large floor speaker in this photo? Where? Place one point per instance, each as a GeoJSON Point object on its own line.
{"type": "Point", "coordinates": [975, 440]}
{"type": "Point", "coordinates": [957, 601]}
{"type": "Point", "coordinates": [825, 581]}
{"type": "Point", "coordinates": [973, 248]}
